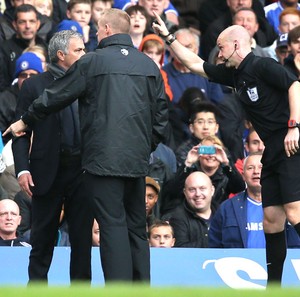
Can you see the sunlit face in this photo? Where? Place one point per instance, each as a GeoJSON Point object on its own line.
{"type": "Point", "coordinates": [252, 171]}
{"type": "Point", "coordinates": [198, 192]}
{"type": "Point", "coordinates": [154, 5]}
{"type": "Point", "coordinates": [75, 52]}
{"type": "Point", "coordinates": [204, 125]}
{"type": "Point", "coordinates": [138, 23]}
{"type": "Point", "coordinates": [150, 198]}
{"type": "Point", "coordinates": [288, 22]}
{"type": "Point", "coordinates": [95, 234]}
{"type": "Point", "coordinates": [98, 7]}
{"type": "Point", "coordinates": [44, 7]}
{"type": "Point", "coordinates": [235, 5]}
{"type": "Point", "coordinates": [26, 25]}
{"type": "Point", "coordinates": [10, 218]}
{"type": "Point", "coordinates": [294, 47]}
{"type": "Point", "coordinates": [246, 19]}
{"type": "Point", "coordinates": [81, 13]}
{"type": "Point", "coordinates": [254, 144]}
{"type": "Point", "coordinates": [161, 237]}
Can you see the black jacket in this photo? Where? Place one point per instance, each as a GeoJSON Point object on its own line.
{"type": "Point", "coordinates": [44, 156]}
{"type": "Point", "coordinates": [122, 107]}
{"type": "Point", "coordinates": [18, 241]}
{"type": "Point", "coordinates": [190, 230]}
{"type": "Point", "coordinates": [8, 103]}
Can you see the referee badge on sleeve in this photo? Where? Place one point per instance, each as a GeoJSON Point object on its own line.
{"type": "Point", "coordinates": [252, 94]}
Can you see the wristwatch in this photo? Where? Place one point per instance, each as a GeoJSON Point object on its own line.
{"type": "Point", "coordinates": [171, 40]}
{"type": "Point", "coordinates": [293, 124]}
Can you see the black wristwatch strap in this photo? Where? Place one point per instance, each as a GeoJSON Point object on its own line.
{"type": "Point", "coordinates": [171, 40]}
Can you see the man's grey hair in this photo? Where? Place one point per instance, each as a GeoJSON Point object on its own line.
{"type": "Point", "coordinates": [60, 42]}
{"type": "Point", "coordinates": [186, 31]}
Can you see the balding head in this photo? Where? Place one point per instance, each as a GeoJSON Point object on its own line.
{"type": "Point", "coordinates": [197, 176]}
{"type": "Point", "coordinates": [234, 33]}
{"type": "Point", "coordinates": [198, 191]}
{"type": "Point", "coordinates": [234, 44]}
{"type": "Point", "coordinates": [10, 219]}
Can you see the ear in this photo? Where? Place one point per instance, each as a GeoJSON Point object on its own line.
{"type": "Point", "coordinates": [212, 191]}
{"type": "Point", "coordinates": [14, 25]}
{"type": "Point", "coordinates": [19, 220]}
{"type": "Point", "coordinates": [217, 128]}
{"type": "Point", "coordinates": [191, 126]}
{"type": "Point", "coordinates": [173, 242]}
{"type": "Point", "coordinates": [60, 55]}
{"type": "Point", "coordinates": [68, 14]}
{"type": "Point", "coordinates": [38, 24]}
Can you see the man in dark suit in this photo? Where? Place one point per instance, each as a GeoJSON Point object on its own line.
{"type": "Point", "coordinates": [52, 174]}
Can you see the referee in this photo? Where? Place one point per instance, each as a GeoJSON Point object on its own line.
{"type": "Point", "coordinates": [270, 96]}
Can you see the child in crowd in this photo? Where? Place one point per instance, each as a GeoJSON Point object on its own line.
{"type": "Point", "coordinates": [139, 23]}
{"type": "Point", "coordinates": [161, 235]}
{"type": "Point", "coordinates": [98, 6]}
{"type": "Point", "coordinates": [81, 12]}
{"type": "Point", "coordinates": [153, 46]}
{"type": "Point", "coordinates": [44, 7]}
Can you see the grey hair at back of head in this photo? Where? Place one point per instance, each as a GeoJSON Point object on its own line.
{"type": "Point", "coordinates": [60, 41]}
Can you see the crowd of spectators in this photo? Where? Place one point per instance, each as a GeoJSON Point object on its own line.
{"type": "Point", "coordinates": [185, 191]}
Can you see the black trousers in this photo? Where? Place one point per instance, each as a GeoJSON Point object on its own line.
{"type": "Point", "coordinates": [68, 189]}
{"type": "Point", "coordinates": [119, 207]}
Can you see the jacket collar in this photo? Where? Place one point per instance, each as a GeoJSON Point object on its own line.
{"type": "Point", "coordinates": [56, 71]}
{"type": "Point", "coordinates": [116, 39]}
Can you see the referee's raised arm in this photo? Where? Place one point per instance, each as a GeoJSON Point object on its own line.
{"type": "Point", "coordinates": [187, 57]}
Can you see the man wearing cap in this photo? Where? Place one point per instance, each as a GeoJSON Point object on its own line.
{"type": "Point", "coordinates": [26, 24]}
{"type": "Point", "coordinates": [152, 192]}
{"type": "Point", "coordinates": [28, 64]}
{"type": "Point", "coordinates": [52, 174]}
{"type": "Point", "coordinates": [281, 49]}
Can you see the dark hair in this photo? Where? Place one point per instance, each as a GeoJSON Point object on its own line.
{"type": "Point", "coordinates": [72, 3]}
{"type": "Point", "coordinates": [204, 107]}
{"type": "Point", "coordinates": [138, 8]}
{"type": "Point", "coordinates": [190, 98]}
{"type": "Point", "coordinates": [25, 8]}
{"type": "Point", "coordinates": [293, 35]}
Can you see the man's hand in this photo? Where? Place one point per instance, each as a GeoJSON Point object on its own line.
{"type": "Point", "coordinates": [159, 26]}
{"type": "Point", "coordinates": [16, 129]}
{"type": "Point", "coordinates": [25, 181]}
{"type": "Point", "coordinates": [291, 141]}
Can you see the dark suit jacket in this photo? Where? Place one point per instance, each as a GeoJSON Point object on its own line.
{"type": "Point", "coordinates": [44, 155]}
